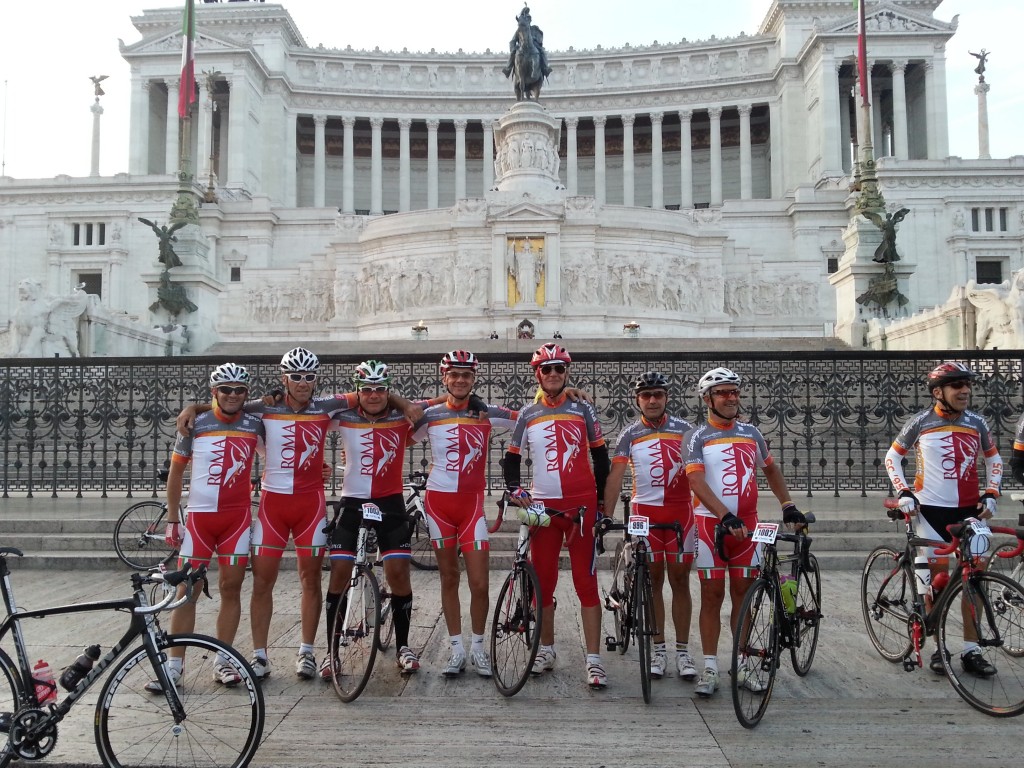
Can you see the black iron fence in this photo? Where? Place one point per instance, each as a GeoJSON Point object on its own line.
{"type": "Point", "coordinates": [105, 426]}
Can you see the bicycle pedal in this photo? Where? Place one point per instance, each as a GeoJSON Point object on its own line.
{"type": "Point", "coordinates": [909, 665]}
{"type": "Point", "coordinates": [610, 643]}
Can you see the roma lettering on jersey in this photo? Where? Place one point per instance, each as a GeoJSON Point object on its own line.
{"type": "Point", "coordinates": [655, 457]}
{"type": "Point", "coordinates": [558, 436]}
{"type": "Point", "coordinates": [374, 453]}
{"type": "Point", "coordinates": [729, 458]}
{"type": "Point", "coordinates": [458, 445]}
{"type": "Point", "coordinates": [221, 453]}
{"type": "Point", "coordinates": [946, 457]}
{"type": "Point", "coordinates": [295, 443]}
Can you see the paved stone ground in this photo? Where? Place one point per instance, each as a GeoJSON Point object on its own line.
{"type": "Point", "coordinates": [853, 709]}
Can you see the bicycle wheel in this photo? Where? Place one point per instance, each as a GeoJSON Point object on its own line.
{"type": "Point", "coordinates": [996, 615]}
{"type": "Point", "coordinates": [139, 536]}
{"type": "Point", "coordinates": [622, 594]}
{"type": "Point", "coordinates": [755, 654]}
{"type": "Point", "coordinates": [223, 725]}
{"type": "Point", "coordinates": [643, 624]}
{"type": "Point", "coordinates": [11, 695]}
{"type": "Point", "coordinates": [1011, 567]}
{"type": "Point", "coordinates": [807, 619]}
{"type": "Point", "coordinates": [886, 600]}
{"type": "Point", "coordinates": [387, 618]}
{"type": "Point", "coordinates": [419, 537]}
{"type": "Point", "coordinates": [355, 637]}
{"type": "Point", "coordinates": [515, 629]}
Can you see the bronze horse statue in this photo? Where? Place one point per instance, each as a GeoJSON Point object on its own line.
{"type": "Point", "coordinates": [527, 73]}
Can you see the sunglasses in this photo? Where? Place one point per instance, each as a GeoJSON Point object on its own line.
{"type": "Point", "coordinates": [232, 390]}
{"type": "Point", "coordinates": [726, 394]}
{"type": "Point", "coordinates": [959, 385]}
{"type": "Point", "coordinates": [546, 369]}
{"type": "Point", "coordinates": [374, 390]}
{"type": "Point", "coordinates": [302, 377]}
{"type": "Point", "coordinates": [653, 395]}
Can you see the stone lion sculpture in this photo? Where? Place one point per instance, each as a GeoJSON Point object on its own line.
{"type": "Point", "coordinates": [46, 325]}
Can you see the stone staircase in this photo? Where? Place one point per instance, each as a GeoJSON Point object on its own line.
{"type": "Point", "coordinates": [78, 533]}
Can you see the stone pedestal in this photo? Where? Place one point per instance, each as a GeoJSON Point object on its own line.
{"type": "Point", "coordinates": [856, 269]}
{"type": "Point", "coordinates": [526, 140]}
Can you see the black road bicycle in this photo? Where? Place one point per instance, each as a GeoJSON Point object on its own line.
{"type": "Point", "coordinates": [197, 722]}
{"type": "Point", "coordinates": [979, 606]}
{"type": "Point", "coordinates": [773, 617]}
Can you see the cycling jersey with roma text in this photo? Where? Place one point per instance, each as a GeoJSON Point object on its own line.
{"type": "Point", "coordinates": [374, 452]}
{"type": "Point", "coordinates": [295, 442]}
{"type": "Point", "coordinates": [654, 453]}
{"type": "Point", "coordinates": [221, 449]}
{"type": "Point", "coordinates": [729, 456]}
{"type": "Point", "coordinates": [458, 445]}
{"type": "Point", "coordinates": [946, 457]}
{"type": "Point", "coordinates": [558, 433]}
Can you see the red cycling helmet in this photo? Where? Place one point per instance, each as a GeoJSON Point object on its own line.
{"type": "Point", "coordinates": [458, 358]}
{"type": "Point", "coordinates": [550, 353]}
{"type": "Point", "coordinates": [948, 372]}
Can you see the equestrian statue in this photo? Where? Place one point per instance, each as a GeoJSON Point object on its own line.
{"type": "Point", "coordinates": [527, 60]}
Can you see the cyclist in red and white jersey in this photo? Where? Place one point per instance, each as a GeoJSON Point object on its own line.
{"type": "Point", "coordinates": [948, 440]}
{"type": "Point", "coordinates": [559, 432]}
{"type": "Point", "coordinates": [459, 430]}
{"type": "Point", "coordinates": [722, 458]}
{"type": "Point", "coordinates": [220, 447]}
{"type": "Point", "coordinates": [374, 436]}
{"type": "Point", "coordinates": [651, 448]}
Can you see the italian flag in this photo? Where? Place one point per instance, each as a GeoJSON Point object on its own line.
{"type": "Point", "coordinates": [862, 52]}
{"type": "Point", "coordinates": [187, 87]}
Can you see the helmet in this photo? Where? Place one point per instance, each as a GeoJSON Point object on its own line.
{"type": "Point", "coordinates": [372, 373]}
{"type": "Point", "coordinates": [459, 358]}
{"type": "Point", "coordinates": [299, 359]}
{"type": "Point", "coordinates": [717, 376]}
{"type": "Point", "coordinates": [948, 372]}
{"type": "Point", "coordinates": [650, 380]}
{"type": "Point", "coordinates": [550, 353]}
{"type": "Point", "coordinates": [229, 373]}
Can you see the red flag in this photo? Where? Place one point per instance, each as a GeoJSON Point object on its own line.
{"type": "Point", "coordinates": [187, 87]}
{"type": "Point", "coordinates": [862, 53]}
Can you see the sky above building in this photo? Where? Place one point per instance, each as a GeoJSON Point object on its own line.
{"type": "Point", "coordinates": [51, 48]}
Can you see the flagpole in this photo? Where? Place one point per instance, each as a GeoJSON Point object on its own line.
{"type": "Point", "coordinates": [870, 198]}
{"type": "Point", "coordinates": [184, 207]}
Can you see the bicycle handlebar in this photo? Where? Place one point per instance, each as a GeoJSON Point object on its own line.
{"type": "Point", "coordinates": [799, 535]}
{"type": "Point", "coordinates": [174, 578]}
{"type": "Point", "coordinates": [895, 512]}
{"type": "Point", "coordinates": [573, 517]}
{"type": "Point", "coordinates": [602, 529]}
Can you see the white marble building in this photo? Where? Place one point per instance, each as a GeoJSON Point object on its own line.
{"type": "Point", "coordinates": [702, 187]}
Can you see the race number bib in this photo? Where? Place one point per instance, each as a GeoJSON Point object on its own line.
{"type": "Point", "coordinates": [638, 525]}
{"type": "Point", "coordinates": [372, 512]}
{"type": "Point", "coordinates": [765, 533]}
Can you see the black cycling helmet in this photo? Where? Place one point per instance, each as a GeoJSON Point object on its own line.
{"type": "Point", "coordinates": [948, 372]}
{"type": "Point", "coordinates": [650, 380]}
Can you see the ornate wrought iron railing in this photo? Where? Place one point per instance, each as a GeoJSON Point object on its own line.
{"type": "Point", "coordinates": [78, 426]}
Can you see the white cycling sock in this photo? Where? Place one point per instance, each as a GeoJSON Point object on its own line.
{"type": "Point", "coordinates": [711, 662]}
{"type": "Point", "coordinates": [455, 641]}
{"type": "Point", "coordinates": [477, 642]}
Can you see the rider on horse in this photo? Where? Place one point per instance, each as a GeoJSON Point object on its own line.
{"type": "Point", "coordinates": [538, 40]}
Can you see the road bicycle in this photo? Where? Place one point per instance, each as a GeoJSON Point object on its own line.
{"type": "Point", "coordinates": [517, 619]}
{"type": "Point", "coordinates": [355, 636]}
{"type": "Point", "coordinates": [419, 533]}
{"type": "Point", "coordinates": [774, 617]}
{"type": "Point", "coordinates": [1006, 564]}
{"type": "Point", "coordinates": [139, 532]}
{"type": "Point", "coordinates": [630, 596]}
{"type": "Point", "coordinates": [197, 722]}
{"type": "Point", "coordinates": [975, 602]}
{"type": "Point", "coordinates": [387, 617]}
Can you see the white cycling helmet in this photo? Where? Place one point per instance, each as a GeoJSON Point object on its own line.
{"type": "Point", "coordinates": [372, 373]}
{"type": "Point", "coordinates": [229, 373]}
{"type": "Point", "coordinates": [299, 360]}
{"type": "Point", "coordinates": [717, 376]}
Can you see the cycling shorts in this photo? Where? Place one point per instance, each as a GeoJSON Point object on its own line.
{"type": "Point", "coordinates": [662, 544]}
{"type": "Point", "coordinates": [299, 515]}
{"type": "Point", "coordinates": [744, 556]}
{"type": "Point", "coordinates": [456, 520]}
{"type": "Point", "coordinates": [225, 532]}
{"type": "Point", "coordinates": [393, 530]}
{"type": "Point", "coordinates": [931, 522]}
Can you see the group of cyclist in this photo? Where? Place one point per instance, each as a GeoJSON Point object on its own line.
{"type": "Point", "coordinates": [702, 477]}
